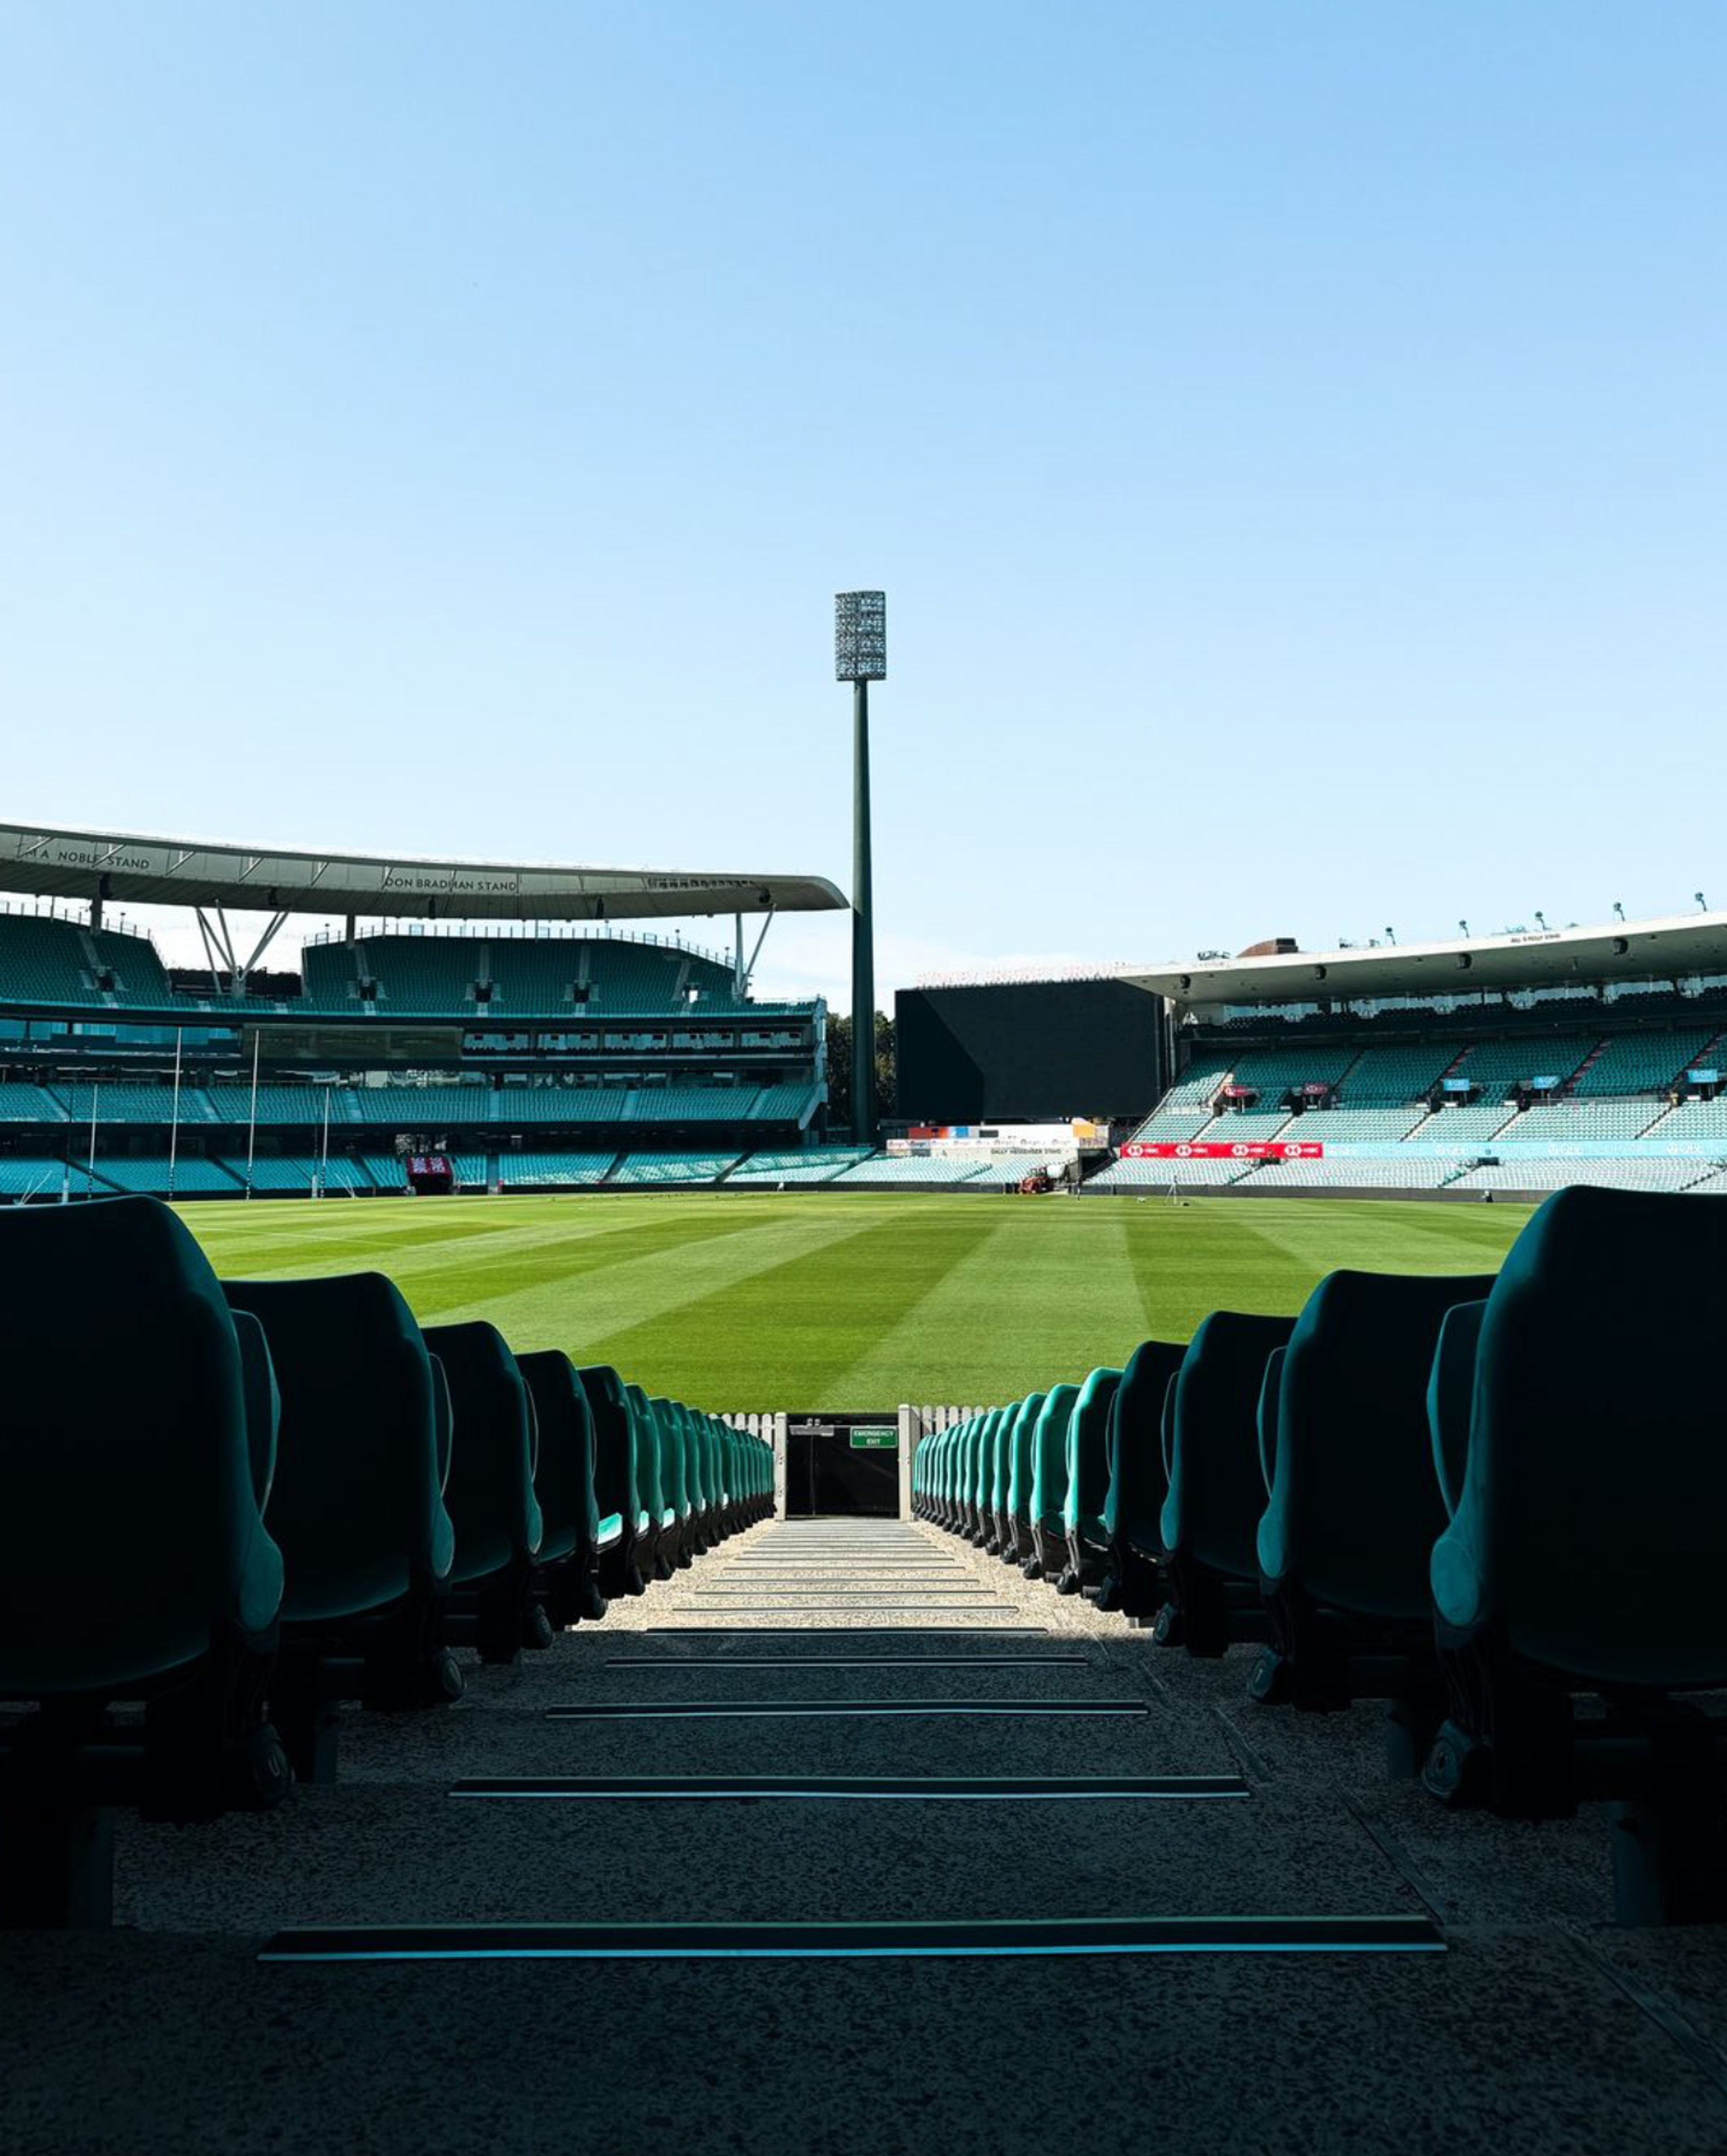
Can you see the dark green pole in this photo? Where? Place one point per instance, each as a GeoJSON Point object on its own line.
{"type": "Point", "coordinates": [862, 949]}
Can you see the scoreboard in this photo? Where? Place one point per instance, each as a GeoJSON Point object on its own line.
{"type": "Point", "coordinates": [1035, 1051]}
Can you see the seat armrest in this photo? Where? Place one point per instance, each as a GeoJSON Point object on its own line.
{"type": "Point", "coordinates": [444, 1418]}
{"type": "Point", "coordinates": [263, 1403]}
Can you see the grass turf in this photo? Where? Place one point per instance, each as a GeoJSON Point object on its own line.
{"type": "Point", "coordinates": [822, 1299]}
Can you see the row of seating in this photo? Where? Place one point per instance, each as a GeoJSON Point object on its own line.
{"type": "Point", "coordinates": [26, 1105]}
{"type": "Point", "coordinates": [1495, 1502]}
{"type": "Point", "coordinates": [242, 1503]}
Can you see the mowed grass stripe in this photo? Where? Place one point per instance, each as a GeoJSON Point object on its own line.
{"type": "Point", "coordinates": [847, 1299]}
{"type": "Point", "coordinates": [1045, 1287]}
{"type": "Point", "coordinates": [790, 1336]}
{"type": "Point", "coordinates": [565, 1299]}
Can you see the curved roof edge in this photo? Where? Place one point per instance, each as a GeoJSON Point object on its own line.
{"type": "Point", "coordinates": [48, 860]}
{"type": "Point", "coordinates": [1619, 950]}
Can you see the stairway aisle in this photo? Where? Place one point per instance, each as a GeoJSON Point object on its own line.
{"type": "Point", "coordinates": [846, 1838]}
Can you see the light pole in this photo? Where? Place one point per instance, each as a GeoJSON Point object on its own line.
{"type": "Point", "coordinates": [860, 656]}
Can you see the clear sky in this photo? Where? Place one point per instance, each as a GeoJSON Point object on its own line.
{"type": "Point", "coordinates": [1290, 436]}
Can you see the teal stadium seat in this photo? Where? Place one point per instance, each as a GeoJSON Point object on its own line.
{"type": "Point", "coordinates": [1048, 1493]}
{"type": "Point", "coordinates": [1353, 1507]}
{"type": "Point", "coordinates": [1016, 1544]}
{"type": "Point", "coordinates": [490, 1493]}
{"type": "Point", "coordinates": [1583, 1553]}
{"type": "Point", "coordinates": [134, 1561]}
{"type": "Point", "coordinates": [1216, 1489]}
{"type": "Point", "coordinates": [1088, 1482]}
{"type": "Point", "coordinates": [564, 1484]}
{"type": "Point", "coordinates": [1139, 1482]}
{"type": "Point", "coordinates": [650, 1485]}
{"type": "Point", "coordinates": [363, 1412]}
{"type": "Point", "coordinates": [626, 1565]}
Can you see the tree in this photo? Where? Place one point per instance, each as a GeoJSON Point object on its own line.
{"type": "Point", "coordinates": [839, 1069]}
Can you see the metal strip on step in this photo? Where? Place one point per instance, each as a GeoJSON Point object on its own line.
{"type": "Point", "coordinates": [648, 1709]}
{"type": "Point", "coordinates": [846, 1631]}
{"type": "Point", "coordinates": [894, 1788]}
{"type": "Point", "coordinates": [849, 1661]}
{"type": "Point", "coordinates": [1034, 1936]}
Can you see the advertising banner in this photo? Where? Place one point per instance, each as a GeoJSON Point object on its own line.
{"type": "Point", "coordinates": [1209, 1149]}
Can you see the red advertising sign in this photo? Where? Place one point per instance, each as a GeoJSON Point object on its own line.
{"type": "Point", "coordinates": [1251, 1149]}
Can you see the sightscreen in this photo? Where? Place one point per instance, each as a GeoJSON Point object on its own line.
{"type": "Point", "coordinates": [1028, 1052]}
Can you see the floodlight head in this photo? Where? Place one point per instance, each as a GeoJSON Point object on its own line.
{"type": "Point", "coordinates": [860, 636]}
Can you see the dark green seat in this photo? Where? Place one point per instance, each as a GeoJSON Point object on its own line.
{"type": "Point", "coordinates": [489, 1493]}
{"type": "Point", "coordinates": [1216, 1492]}
{"type": "Point", "coordinates": [357, 1505]}
{"type": "Point", "coordinates": [1585, 1550]}
{"type": "Point", "coordinates": [1133, 1507]}
{"type": "Point", "coordinates": [1088, 1468]}
{"type": "Point", "coordinates": [564, 1484]}
{"type": "Point", "coordinates": [623, 1519]}
{"type": "Point", "coordinates": [662, 1535]}
{"type": "Point", "coordinates": [1353, 1507]}
{"type": "Point", "coordinates": [1048, 1490]}
{"type": "Point", "coordinates": [1016, 1544]}
{"type": "Point", "coordinates": [674, 1467]}
{"type": "Point", "coordinates": [134, 1561]}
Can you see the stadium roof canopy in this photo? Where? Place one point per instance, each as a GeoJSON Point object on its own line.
{"type": "Point", "coordinates": [1683, 944]}
{"type": "Point", "coordinates": [46, 861]}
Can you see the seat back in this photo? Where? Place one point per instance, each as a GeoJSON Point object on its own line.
{"type": "Point", "coordinates": [1216, 1492]}
{"type": "Point", "coordinates": [131, 1530]}
{"type": "Point", "coordinates": [1450, 1384]}
{"type": "Point", "coordinates": [1088, 1463]}
{"type": "Point", "coordinates": [1049, 1458]}
{"type": "Point", "coordinates": [651, 1478]}
{"type": "Point", "coordinates": [1355, 1508]}
{"type": "Point", "coordinates": [1588, 1527]}
{"type": "Point", "coordinates": [1019, 1456]}
{"type": "Point", "coordinates": [564, 1470]}
{"type": "Point", "coordinates": [1133, 1506]}
{"type": "Point", "coordinates": [675, 1462]}
{"type": "Point", "coordinates": [490, 1493]}
{"type": "Point", "coordinates": [614, 1447]}
{"type": "Point", "coordinates": [358, 1503]}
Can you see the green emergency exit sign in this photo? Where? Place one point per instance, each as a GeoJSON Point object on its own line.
{"type": "Point", "coordinates": [865, 1439]}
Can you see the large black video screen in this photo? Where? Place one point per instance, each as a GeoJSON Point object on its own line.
{"type": "Point", "coordinates": [1033, 1052]}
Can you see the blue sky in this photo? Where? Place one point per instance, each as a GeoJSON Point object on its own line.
{"type": "Point", "coordinates": [1291, 438]}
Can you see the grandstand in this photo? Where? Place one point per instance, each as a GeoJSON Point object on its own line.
{"type": "Point", "coordinates": [1577, 1056]}
{"type": "Point", "coordinates": [544, 1028]}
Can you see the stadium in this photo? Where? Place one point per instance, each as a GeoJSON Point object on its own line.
{"type": "Point", "coordinates": [947, 1463]}
{"type": "Point", "coordinates": [521, 1224]}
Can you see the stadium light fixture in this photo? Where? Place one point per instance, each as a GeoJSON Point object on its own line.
{"type": "Point", "coordinates": [1619, 907]}
{"type": "Point", "coordinates": [1702, 902]}
{"type": "Point", "coordinates": [1464, 926]}
{"type": "Point", "coordinates": [1391, 935]}
{"type": "Point", "coordinates": [1540, 916]}
{"type": "Point", "coordinates": [860, 656]}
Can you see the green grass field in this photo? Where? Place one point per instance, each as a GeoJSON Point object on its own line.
{"type": "Point", "coordinates": [859, 1300]}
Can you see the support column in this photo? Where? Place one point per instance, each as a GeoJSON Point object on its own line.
{"type": "Point", "coordinates": [863, 1123]}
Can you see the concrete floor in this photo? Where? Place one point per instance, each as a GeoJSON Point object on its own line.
{"type": "Point", "coordinates": [1541, 2027]}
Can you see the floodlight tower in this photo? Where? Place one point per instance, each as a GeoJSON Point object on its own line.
{"type": "Point", "coordinates": [860, 656]}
